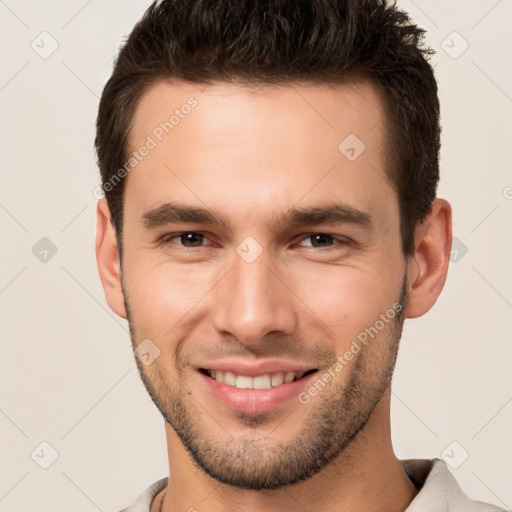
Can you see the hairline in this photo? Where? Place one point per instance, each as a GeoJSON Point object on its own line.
{"type": "Point", "coordinates": [260, 84]}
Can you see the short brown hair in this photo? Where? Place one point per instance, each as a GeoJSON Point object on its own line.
{"type": "Point", "coordinates": [280, 42]}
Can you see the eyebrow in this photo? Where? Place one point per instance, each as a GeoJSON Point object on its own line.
{"type": "Point", "coordinates": [331, 213]}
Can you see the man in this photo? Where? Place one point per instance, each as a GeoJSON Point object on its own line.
{"type": "Point", "coordinates": [270, 220]}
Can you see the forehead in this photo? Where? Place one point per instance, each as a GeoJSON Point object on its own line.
{"type": "Point", "coordinates": [318, 108]}
{"type": "Point", "coordinates": [265, 145]}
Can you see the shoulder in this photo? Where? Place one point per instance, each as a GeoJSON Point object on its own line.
{"type": "Point", "coordinates": [439, 491]}
{"type": "Point", "coordinates": [144, 500]}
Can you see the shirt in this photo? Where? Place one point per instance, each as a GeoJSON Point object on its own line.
{"type": "Point", "coordinates": [439, 492]}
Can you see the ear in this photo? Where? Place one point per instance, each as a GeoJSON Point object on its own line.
{"type": "Point", "coordinates": [428, 266]}
{"type": "Point", "coordinates": [107, 259]}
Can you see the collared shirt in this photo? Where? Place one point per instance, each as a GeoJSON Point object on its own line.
{"type": "Point", "coordinates": [439, 492]}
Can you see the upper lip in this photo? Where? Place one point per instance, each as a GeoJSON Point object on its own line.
{"type": "Point", "coordinates": [255, 368]}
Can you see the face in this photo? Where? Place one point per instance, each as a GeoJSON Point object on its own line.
{"type": "Point", "coordinates": [261, 244]}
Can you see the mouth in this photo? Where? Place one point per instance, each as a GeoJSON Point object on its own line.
{"type": "Point", "coordinates": [257, 382]}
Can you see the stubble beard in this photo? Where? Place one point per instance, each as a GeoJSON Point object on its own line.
{"type": "Point", "coordinates": [335, 418]}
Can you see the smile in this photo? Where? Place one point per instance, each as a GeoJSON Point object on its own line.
{"type": "Point", "coordinates": [264, 381]}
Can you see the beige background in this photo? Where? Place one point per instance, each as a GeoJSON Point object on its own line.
{"type": "Point", "coordinates": [67, 373]}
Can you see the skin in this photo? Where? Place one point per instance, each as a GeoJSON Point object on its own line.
{"type": "Point", "coordinates": [249, 155]}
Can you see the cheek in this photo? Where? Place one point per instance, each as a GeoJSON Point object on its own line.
{"type": "Point", "coordinates": [170, 300]}
{"type": "Point", "coordinates": [344, 299]}
{"type": "Point", "coordinates": [163, 297]}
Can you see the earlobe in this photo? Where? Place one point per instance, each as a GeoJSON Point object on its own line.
{"type": "Point", "coordinates": [107, 259]}
{"type": "Point", "coordinates": [428, 267]}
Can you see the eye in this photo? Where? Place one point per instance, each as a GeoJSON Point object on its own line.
{"type": "Point", "coordinates": [188, 239]}
{"type": "Point", "coordinates": [319, 240]}
{"type": "Point", "coordinates": [192, 240]}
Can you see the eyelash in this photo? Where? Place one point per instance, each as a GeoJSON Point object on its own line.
{"type": "Point", "coordinates": [340, 241]}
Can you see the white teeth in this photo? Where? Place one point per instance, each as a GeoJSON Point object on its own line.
{"type": "Point", "coordinates": [289, 377]}
{"type": "Point", "coordinates": [261, 382]}
{"type": "Point", "coordinates": [277, 379]}
{"type": "Point", "coordinates": [243, 382]}
{"type": "Point", "coordinates": [229, 378]}
{"type": "Point", "coordinates": [265, 381]}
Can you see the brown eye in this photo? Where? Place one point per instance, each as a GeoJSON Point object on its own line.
{"type": "Point", "coordinates": [188, 239]}
{"type": "Point", "coordinates": [321, 240]}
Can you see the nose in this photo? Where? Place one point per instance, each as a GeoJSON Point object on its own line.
{"type": "Point", "coordinates": [251, 301]}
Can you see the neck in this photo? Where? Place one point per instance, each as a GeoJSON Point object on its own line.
{"type": "Point", "coordinates": [366, 476]}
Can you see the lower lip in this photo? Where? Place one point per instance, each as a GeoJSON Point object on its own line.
{"type": "Point", "coordinates": [255, 401]}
